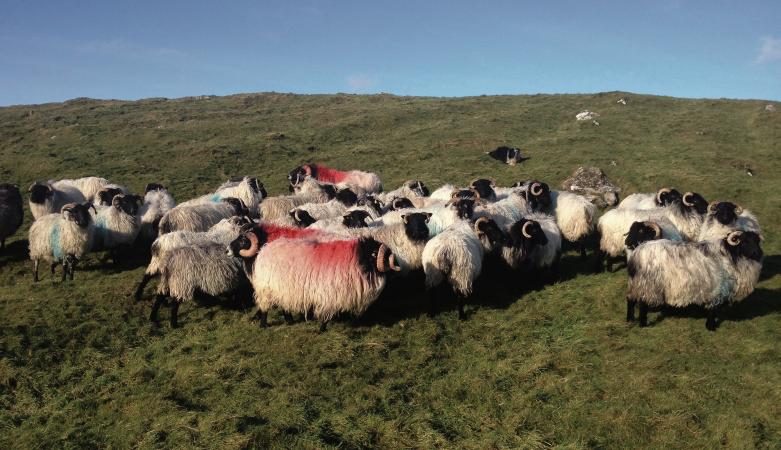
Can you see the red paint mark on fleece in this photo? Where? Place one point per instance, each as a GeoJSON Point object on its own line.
{"type": "Point", "coordinates": [329, 175]}
{"type": "Point", "coordinates": [333, 254]}
{"type": "Point", "coordinates": [275, 232]}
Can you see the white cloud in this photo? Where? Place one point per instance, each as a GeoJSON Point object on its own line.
{"type": "Point", "coordinates": [769, 51]}
{"type": "Point", "coordinates": [360, 83]}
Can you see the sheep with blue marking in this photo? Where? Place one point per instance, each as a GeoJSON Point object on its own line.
{"type": "Point", "coordinates": [712, 274]}
{"type": "Point", "coordinates": [63, 237]}
{"type": "Point", "coordinates": [116, 225]}
{"type": "Point", "coordinates": [247, 189]}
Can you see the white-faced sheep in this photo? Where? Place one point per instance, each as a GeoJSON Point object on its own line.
{"type": "Point", "coordinates": [11, 213]}
{"type": "Point", "coordinates": [223, 232]}
{"type": "Point", "coordinates": [725, 217]}
{"type": "Point", "coordinates": [201, 217]}
{"type": "Point", "coordinates": [663, 197]}
{"type": "Point", "coordinates": [324, 278]}
{"type": "Point", "coordinates": [359, 181]}
{"type": "Point", "coordinates": [712, 274]}
{"type": "Point", "coordinates": [308, 191]}
{"type": "Point", "coordinates": [247, 189]}
{"type": "Point", "coordinates": [157, 202]}
{"type": "Point", "coordinates": [61, 237]}
{"type": "Point", "coordinates": [200, 268]}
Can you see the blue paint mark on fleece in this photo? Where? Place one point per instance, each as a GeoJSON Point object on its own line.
{"type": "Point", "coordinates": [55, 242]}
{"type": "Point", "coordinates": [216, 198]}
{"type": "Point", "coordinates": [101, 232]}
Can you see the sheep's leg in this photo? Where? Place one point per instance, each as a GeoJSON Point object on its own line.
{"type": "Point", "coordinates": [175, 314]}
{"type": "Point", "coordinates": [65, 265]}
{"type": "Point", "coordinates": [461, 313]}
{"type": "Point", "coordinates": [432, 301]}
{"type": "Point", "coordinates": [323, 326]}
{"type": "Point", "coordinates": [582, 246]}
{"type": "Point", "coordinates": [711, 323]}
{"type": "Point", "coordinates": [599, 265]}
{"type": "Point", "coordinates": [2, 244]}
{"type": "Point", "coordinates": [630, 309]}
{"type": "Point", "coordinates": [288, 318]}
{"type": "Point", "coordinates": [140, 289]}
{"type": "Point", "coordinates": [263, 316]}
{"type": "Point", "coordinates": [643, 314]}
{"type": "Point", "coordinates": [35, 270]}
{"type": "Point", "coordinates": [159, 299]}
{"type": "Point", "coordinates": [72, 261]}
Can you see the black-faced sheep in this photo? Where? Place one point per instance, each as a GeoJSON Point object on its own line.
{"type": "Point", "coordinates": [61, 237]}
{"type": "Point", "coordinates": [725, 217]}
{"type": "Point", "coordinates": [247, 189]}
{"type": "Point", "coordinates": [359, 181]}
{"type": "Point", "coordinates": [201, 217]}
{"type": "Point", "coordinates": [308, 191]}
{"type": "Point", "coordinates": [157, 202]}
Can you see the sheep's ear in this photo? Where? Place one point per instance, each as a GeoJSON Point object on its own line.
{"type": "Point", "coordinates": [404, 218]}
{"type": "Point", "coordinates": [428, 216]}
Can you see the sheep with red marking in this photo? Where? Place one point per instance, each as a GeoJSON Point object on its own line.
{"type": "Point", "coordinates": [359, 181]}
{"type": "Point", "coordinates": [309, 276]}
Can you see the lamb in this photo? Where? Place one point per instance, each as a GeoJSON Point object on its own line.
{"type": "Point", "coordinates": [157, 202]}
{"type": "Point", "coordinates": [223, 233]}
{"type": "Point", "coordinates": [723, 218]}
{"type": "Point", "coordinates": [201, 217]}
{"type": "Point", "coordinates": [362, 182]}
{"type": "Point", "coordinates": [11, 212]}
{"type": "Point", "coordinates": [116, 225]}
{"type": "Point", "coordinates": [325, 278]}
{"type": "Point", "coordinates": [308, 191]}
{"type": "Point", "coordinates": [200, 268]}
{"type": "Point", "coordinates": [61, 237]}
{"type": "Point", "coordinates": [712, 274]}
{"type": "Point", "coordinates": [663, 197]}
{"type": "Point", "coordinates": [456, 255]}
{"type": "Point", "coordinates": [247, 189]}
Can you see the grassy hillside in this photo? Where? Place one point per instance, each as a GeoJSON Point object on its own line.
{"type": "Point", "coordinates": [81, 366]}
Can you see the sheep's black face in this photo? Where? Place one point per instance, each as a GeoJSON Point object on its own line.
{"type": "Point", "coordinates": [401, 203]}
{"type": "Point", "coordinates": [496, 237]}
{"type": "Point", "coordinates": [465, 207]}
{"type": "Point", "coordinates": [126, 204]}
{"type": "Point", "coordinates": [368, 250]}
{"type": "Point", "coordinates": [106, 196]}
{"type": "Point", "coordinates": [39, 192]}
{"type": "Point", "coordinates": [238, 244]}
{"type": "Point", "coordinates": [302, 218]}
{"type": "Point", "coordinates": [372, 202]}
{"type": "Point", "coordinates": [415, 226]}
{"type": "Point", "coordinates": [346, 197]}
{"type": "Point", "coordinates": [696, 202]}
{"type": "Point", "coordinates": [329, 190]}
{"type": "Point", "coordinates": [464, 193]}
{"type": "Point", "coordinates": [725, 213]}
{"type": "Point", "coordinates": [79, 214]}
{"type": "Point", "coordinates": [538, 196]}
{"type": "Point", "coordinates": [355, 219]}
{"type": "Point", "coordinates": [527, 233]}
{"type": "Point", "coordinates": [484, 188]}
{"type": "Point", "coordinates": [638, 233]}
{"type": "Point", "coordinates": [745, 244]}
{"type": "Point", "coordinates": [418, 188]}
{"type": "Point", "coordinates": [296, 175]}
{"type": "Point", "coordinates": [153, 187]}
{"type": "Point", "coordinates": [9, 193]}
{"type": "Point", "coordinates": [239, 208]}
{"type": "Point", "coordinates": [668, 197]}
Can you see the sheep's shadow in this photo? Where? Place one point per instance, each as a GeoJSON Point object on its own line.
{"type": "Point", "coordinates": [14, 252]}
{"type": "Point", "coordinates": [771, 267]}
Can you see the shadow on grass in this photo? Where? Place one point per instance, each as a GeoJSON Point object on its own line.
{"type": "Point", "coordinates": [762, 302]}
{"type": "Point", "coordinates": [771, 267]}
{"type": "Point", "coordinates": [13, 252]}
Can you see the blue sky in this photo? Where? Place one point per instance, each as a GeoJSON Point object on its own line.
{"type": "Point", "coordinates": [53, 51]}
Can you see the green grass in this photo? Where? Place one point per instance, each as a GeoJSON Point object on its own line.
{"type": "Point", "coordinates": [80, 365]}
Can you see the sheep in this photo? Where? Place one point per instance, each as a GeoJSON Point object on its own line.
{"type": "Point", "coordinates": [116, 225]}
{"type": "Point", "coordinates": [345, 198]}
{"type": "Point", "coordinates": [11, 212]}
{"type": "Point", "coordinates": [201, 217]}
{"type": "Point", "coordinates": [505, 212]}
{"type": "Point", "coordinates": [456, 255]}
{"type": "Point", "coordinates": [247, 189]}
{"type": "Point", "coordinates": [200, 268]}
{"type": "Point", "coordinates": [50, 196]}
{"type": "Point", "coordinates": [440, 216]}
{"type": "Point", "coordinates": [484, 189]}
{"type": "Point", "coordinates": [725, 217]}
{"type": "Point", "coordinates": [410, 189]}
{"type": "Point", "coordinates": [90, 186]}
{"type": "Point", "coordinates": [685, 215]}
{"type": "Point", "coordinates": [326, 278]}
{"type": "Point", "coordinates": [362, 182]}
{"type": "Point", "coordinates": [640, 232]}
{"type": "Point", "coordinates": [663, 197]}
{"type": "Point", "coordinates": [105, 196]}
{"type": "Point", "coordinates": [406, 239]}
{"type": "Point", "coordinates": [157, 202]}
{"type": "Point", "coordinates": [522, 239]}
{"type": "Point", "coordinates": [507, 155]}
{"type": "Point", "coordinates": [547, 255]}
{"type": "Point", "coordinates": [223, 232]}
{"type": "Point", "coordinates": [61, 237]}
{"type": "Point", "coordinates": [712, 274]}
{"type": "Point", "coordinates": [308, 191]}
{"type": "Point", "coordinates": [353, 218]}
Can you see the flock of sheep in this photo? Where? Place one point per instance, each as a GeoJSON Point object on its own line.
{"type": "Point", "coordinates": [331, 246]}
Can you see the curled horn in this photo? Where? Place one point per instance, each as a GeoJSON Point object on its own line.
{"type": "Point", "coordinates": [67, 207]}
{"type": "Point", "coordinates": [525, 232]}
{"type": "Point", "coordinates": [295, 215]}
{"type": "Point", "coordinates": [392, 263]}
{"type": "Point", "coordinates": [536, 189]}
{"type": "Point", "coordinates": [712, 207]}
{"type": "Point", "coordinates": [253, 248]}
{"type": "Point", "coordinates": [654, 226]}
{"type": "Point", "coordinates": [478, 222]}
{"type": "Point", "coordinates": [473, 190]}
{"type": "Point", "coordinates": [659, 194]}
{"type": "Point", "coordinates": [381, 258]}
{"type": "Point", "coordinates": [685, 201]}
{"type": "Point", "coordinates": [738, 209]}
{"type": "Point", "coordinates": [732, 239]}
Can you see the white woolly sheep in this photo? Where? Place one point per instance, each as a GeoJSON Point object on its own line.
{"type": "Point", "coordinates": [712, 274]}
{"type": "Point", "coordinates": [157, 202]}
{"type": "Point", "coordinates": [201, 217]}
{"type": "Point", "coordinates": [308, 191]}
{"type": "Point", "coordinates": [116, 225]}
{"type": "Point", "coordinates": [360, 182]}
{"type": "Point", "coordinates": [410, 189]}
{"type": "Point", "coordinates": [725, 217]}
{"type": "Point", "coordinates": [663, 197]}
{"type": "Point", "coordinates": [61, 237]}
{"type": "Point", "coordinates": [247, 189]}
